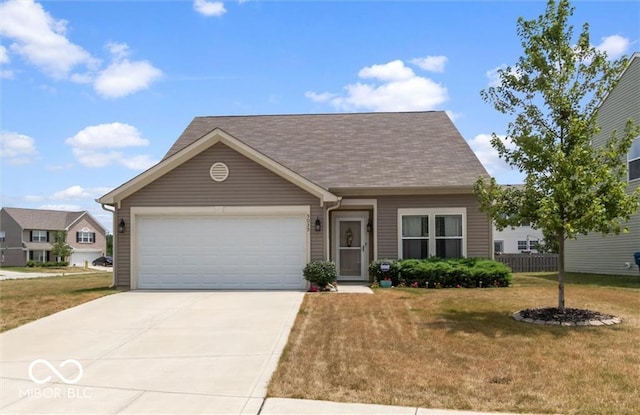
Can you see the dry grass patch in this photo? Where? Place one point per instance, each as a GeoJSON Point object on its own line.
{"type": "Point", "coordinates": [25, 300]}
{"type": "Point", "coordinates": [461, 349]}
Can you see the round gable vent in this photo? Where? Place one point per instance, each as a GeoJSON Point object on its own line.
{"type": "Point", "coordinates": [219, 172]}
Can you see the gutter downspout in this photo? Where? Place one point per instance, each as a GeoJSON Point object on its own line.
{"type": "Point", "coordinates": [113, 241]}
{"type": "Point", "coordinates": [327, 228]}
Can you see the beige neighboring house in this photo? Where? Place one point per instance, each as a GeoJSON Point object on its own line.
{"type": "Point", "coordinates": [613, 254]}
{"type": "Point", "coordinates": [245, 202]}
{"type": "Point", "coordinates": [28, 234]}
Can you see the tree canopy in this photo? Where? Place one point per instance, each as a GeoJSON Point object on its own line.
{"type": "Point", "coordinates": [553, 95]}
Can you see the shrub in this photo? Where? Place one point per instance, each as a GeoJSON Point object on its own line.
{"type": "Point", "coordinates": [376, 272]}
{"type": "Point", "coordinates": [463, 272]}
{"type": "Point", "coordinates": [320, 272]}
{"type": "Point", "coordinates": [31, 263]}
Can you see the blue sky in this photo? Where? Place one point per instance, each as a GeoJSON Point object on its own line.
{"type": "Point", "coordinates": [94, 92]}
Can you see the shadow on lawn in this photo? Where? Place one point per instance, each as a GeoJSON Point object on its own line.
{"type": "Point", "coordinates": [621, 281]}
{"type": "Point", "coordinates": [94, 290]}
{"type": "Point", "coordinates": [491, 324]}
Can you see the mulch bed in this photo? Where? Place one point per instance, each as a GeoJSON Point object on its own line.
{"type": "Point", "coordinates": [569, 316]}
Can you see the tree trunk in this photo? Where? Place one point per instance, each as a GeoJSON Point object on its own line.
{"type": "Point", "coordinates": [560, 272]}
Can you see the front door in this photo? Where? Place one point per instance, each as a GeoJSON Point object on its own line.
{"type": "Point", "coordinates": [351, 247]}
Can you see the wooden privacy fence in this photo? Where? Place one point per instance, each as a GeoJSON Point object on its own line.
{"type": "Point", "coordinates": [529, 262]}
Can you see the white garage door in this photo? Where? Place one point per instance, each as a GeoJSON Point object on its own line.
{"type": "Point", "coordinates": [221, 252]}
{"type": "Point", "coordinates": [78, 257]}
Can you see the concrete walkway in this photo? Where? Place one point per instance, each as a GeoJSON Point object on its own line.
{"type": "Point", "coordinates": [6, 274]}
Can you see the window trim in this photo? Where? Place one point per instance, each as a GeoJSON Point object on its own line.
{"type": "Point", "coordinates": [431, 213]}
{"type": "Point", "coordinates": [525, 244]}
{"type": "Point", "coordinates": [91, 237]}
{"type": "Point", "coordinates": [636, 141]}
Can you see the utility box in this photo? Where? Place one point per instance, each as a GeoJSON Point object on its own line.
{"type": "Point", "coordinates": [636, 256]}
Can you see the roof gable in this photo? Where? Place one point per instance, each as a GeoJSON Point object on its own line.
{"type": "Point", "coordinates": [194, 148]}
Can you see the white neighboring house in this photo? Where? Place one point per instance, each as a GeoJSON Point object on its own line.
{"type": "Point", "coordinates": [521, 239]}
{"type": "Point", "coordinates": [516, 240]}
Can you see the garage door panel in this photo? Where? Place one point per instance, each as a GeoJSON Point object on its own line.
{"type": "Point", "coordinates": [221, 252]}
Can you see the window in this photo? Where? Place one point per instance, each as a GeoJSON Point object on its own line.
{"type": "Point", "coordinates": [39, 256]}
{"type": "Point", "coordinates": [634, 160]}
{"type": "Point", "coordinates": [39, 236]}
{"type": "Point", "coordinates": [85, 237]}
{"type": "Point", "coordinates": [533, 244]}
{"type": "Point", "coordinates": [428, 232]}
{"type": "Point", "coordinates": [415, 236]}
{"type": "Point", "coordinates": [1, 236]}
{"type": "Point", "coordinates": [449, 236]}
{"type": "Point", "coordinates": [498, 247]}
{"type": "Point", "coordinates": [523, 246]}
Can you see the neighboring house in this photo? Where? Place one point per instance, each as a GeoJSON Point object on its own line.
{"type": "Point", "coordinates": [521, 239]}
{"type": "Point", "coordinates": [28, 234]}
{"type": "Point", "coordinates": [613, 254]}
{"type": "Point", "coordinates": [516, 240]}
{"type": "Point", "coordinates": [244, 202]}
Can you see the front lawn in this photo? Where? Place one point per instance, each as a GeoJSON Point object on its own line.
{"type": "Point", "coordinates": [50, 270]}
{"type": "Point", "coordinates": [25, 300]}
{"type": "Point", "coordinates": [461, 349]}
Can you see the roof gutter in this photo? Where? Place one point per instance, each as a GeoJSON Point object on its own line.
{"type": "Point", "coordinates": [113, 242]}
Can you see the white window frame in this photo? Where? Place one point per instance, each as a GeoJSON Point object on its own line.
{"type": "Point", "coordinates": [40, 234]}
{"type": "Point", "coordinates": [520, 247]}
{"type": "Point", "coordinates": [533, 244]}
{"type": "Point", "coordinates": [636, 142]}
{"type": "Point", "coordinates": [432, 213]}
{"type": "Point", "coordinates": [85, 237]}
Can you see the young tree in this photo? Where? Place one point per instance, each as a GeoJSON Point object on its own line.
{"type": "Point", "coordinates": [552, 95]}
{"type": "Point", "coordinates": [60, 248]}
{"type": "Point", "coordinates": [109, 244]}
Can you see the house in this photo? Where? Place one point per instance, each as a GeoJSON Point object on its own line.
{"type": "Point", "coordinates": [518, 239]}
{"type": "Point", "coordinates": [28, 234]}
{"type": "Point", "coordinates": [613, 254]}
{"type": "Point", "coordinates": [244, 202]}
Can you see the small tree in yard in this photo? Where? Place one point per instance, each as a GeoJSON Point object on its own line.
{"type": "Point", "coordinates": [553, 94]}
{"type": "Point", "coordinates": [60, 248]}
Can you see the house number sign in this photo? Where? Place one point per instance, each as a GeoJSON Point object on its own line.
{"type": "Point", "coordinates": [384, 267]}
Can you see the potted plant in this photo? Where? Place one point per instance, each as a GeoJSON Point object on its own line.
{"type": "Point", "coordinates": [320, 273]}
{"type": "Point", "coordinates": [385, 283]}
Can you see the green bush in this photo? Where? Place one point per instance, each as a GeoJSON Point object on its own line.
{"type": "Point", "coordinates": [459, 272]}
{"type": "Point", "coordinates": [394, 270]}
{"type": "Point", "coordinates": [320, 272]}
{"type": "Point", "coordinates": [31, 263]}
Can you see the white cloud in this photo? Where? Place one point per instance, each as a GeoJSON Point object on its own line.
{"type": "Point", "coordinates": [78, 192]}
{"type": "Point", "coordinates": [394, 87]}
{"type": "Point", "coordinates": [615, 46]}
{"type": "Point", "coordinates": [493, 76]}
{"type": "Point", "coordinates": [17, 148]}
{"type": "Point", "coordinates": [209, 8]}
{"type": "Point", "coordinates": [6, 74]}
{"type": "Point", "coordinates": [41, 39]}
{"type": "Point", "coordinates": [58, 167]}
{"type": "Point", "coordinates": [4, 55]}
{"type": "Point", "coordinates": [101, 145]}
{"type": "Point", "coordinates": [392, 71]}
{"type": "Point", "coordinates": [34, 198]}
{"type": "Point", "coordinates": [123, 77]}
{"type": "Point", "coordinates": [481, 146]}
{"type": "Point", "coordinates": [431, 63]}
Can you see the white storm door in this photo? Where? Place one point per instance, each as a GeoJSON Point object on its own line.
{"type": "Point", "coordinates": [351, 248]}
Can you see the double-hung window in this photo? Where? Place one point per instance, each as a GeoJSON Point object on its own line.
{"type": "Point", "coordinates": [85, 237]}
{"type": "Point", "coordinates": [634, 160]}
{"type": "Point", "coordinates": [38, 236]}
{"type": "Point", "coordinates": [522, 246]}
{"type": "Point", "coordinates": [428, 232]}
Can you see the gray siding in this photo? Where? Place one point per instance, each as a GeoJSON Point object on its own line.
{"type": "Point", "coordinates": [248, 184]}
{"type": "Point", "coordinates": [596, 253]}
{"type": "Point", "coordinates": [14, 256]}
{"type": "Point", "coordinates": [86, 222]}
{"type": "Point", "coordinates": [478, 225]}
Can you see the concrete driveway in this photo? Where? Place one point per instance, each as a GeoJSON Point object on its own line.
{"type": "Point", "coordinates": [149, 352]}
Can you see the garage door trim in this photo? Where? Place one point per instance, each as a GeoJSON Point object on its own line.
{"type": "Point", "coordinates": [214, 211]}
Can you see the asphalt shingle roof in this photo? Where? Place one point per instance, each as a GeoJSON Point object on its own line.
{"type": "Point", "coordinates": [43, 219]}
{"type": "Point", "coordinates": [360, 150]}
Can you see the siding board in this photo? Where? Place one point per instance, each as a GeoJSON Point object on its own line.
{"type": "Point", "coordinates": [595, 253]}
